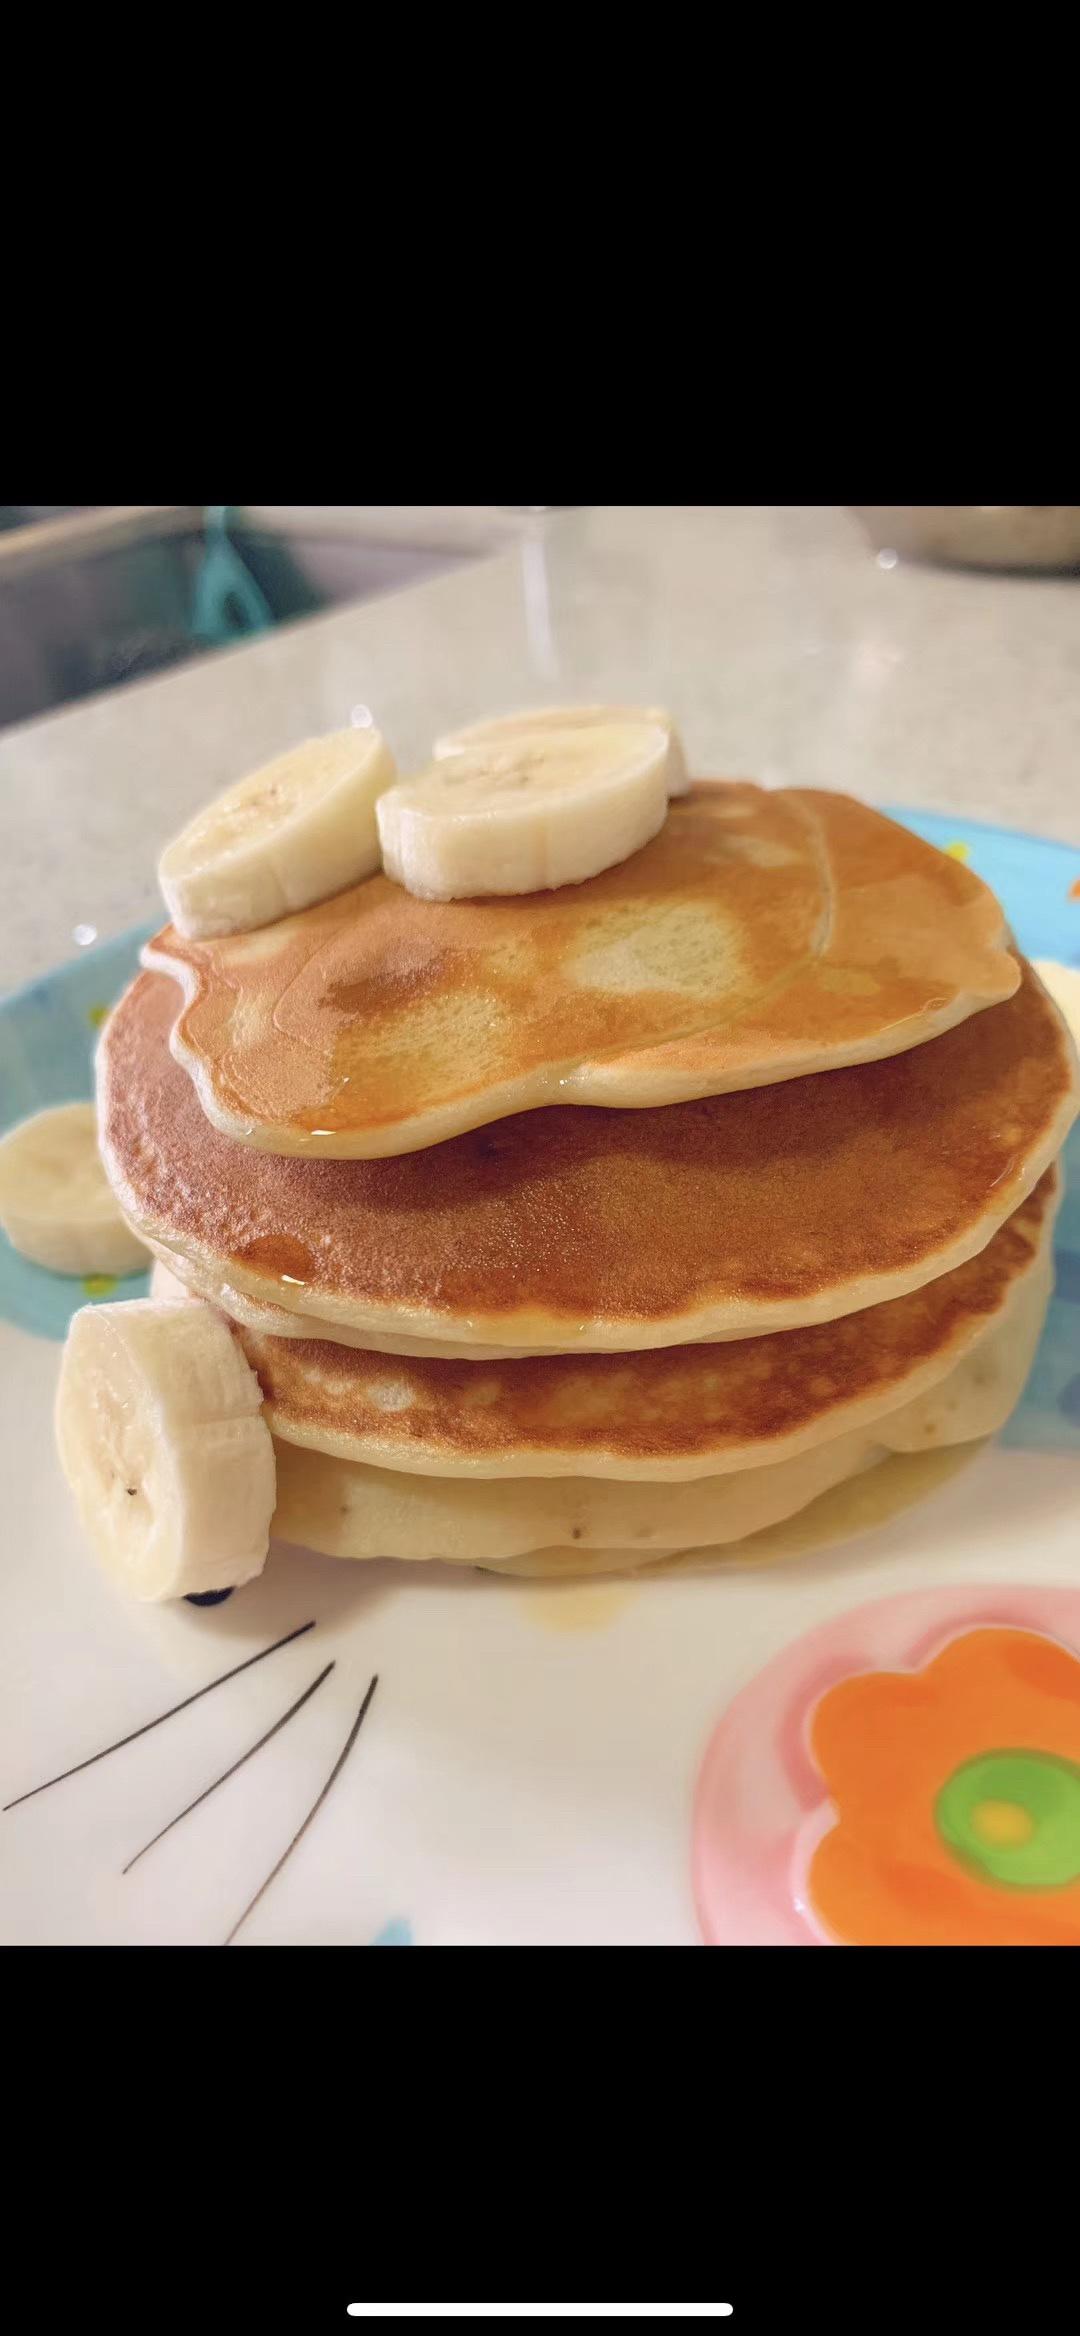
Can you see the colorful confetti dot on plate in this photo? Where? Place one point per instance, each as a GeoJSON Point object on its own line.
{"type": "Point", "coordinates": [99, 1285]}
{"type": "Point", "coordinates": [1074, 889]}
{"type": "Point", "coordinates": [96, 1015]}
{"type": "Point", "coordinates": [958, 851]}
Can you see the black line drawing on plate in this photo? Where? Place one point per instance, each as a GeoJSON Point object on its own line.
{"type": "Point", "coordinates": [224, 1778]}
{"type": "Point", "coordinates": [312, 1812]}
{"type": "Point", "coordinates": [164, 1715]}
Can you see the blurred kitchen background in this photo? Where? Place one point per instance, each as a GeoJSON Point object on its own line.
{"type": "Point", "coordinates": [93, 596]}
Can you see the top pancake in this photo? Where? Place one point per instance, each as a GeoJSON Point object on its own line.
{"type": "Point", "coordinates": [761, 936]}
{"type": "Point", "coordinates": [570, 1231]}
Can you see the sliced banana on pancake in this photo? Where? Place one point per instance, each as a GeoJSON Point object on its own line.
{"type": "Point", "coordinates": [527, 812]}
{"type": "Point", "coordinates": [296, 831]}
{"type": "Point", "coordinates": [160, 1433]}
{"type": "Point", "coordinates": [56, 1206]}
{"type": "Point", "coordinates": [554, 719]}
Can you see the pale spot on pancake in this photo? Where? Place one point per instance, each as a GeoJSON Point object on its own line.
{"type": "Point", "coordinates": [689, 946]}
{"type": "Point", "coordinates": [583, 1399]}
{"type": "Point", "coordinates": [761, 853]}
{"type": "Point", "coordinates": [730, 808]}
{"type": "Point", "coordinates": [844, 981]}
{"type": "Point", "coordinates": [391, 1395]}
{"type": "Point", "coordinates": [246, 949]}
{"type": "Point", "coordinates": [248, 1024]}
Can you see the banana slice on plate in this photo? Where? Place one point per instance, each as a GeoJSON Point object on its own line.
{"type": "Point", "coordinates": [526, 813]}
{"type": "Point", "coordinates": [294, 832]}
{"type": "Point", "coordinates": [162, 1440]}
{"type": "Point", "coordinates": [56, 1206]}
{"type": "Point", "coordinates": [551, 719]}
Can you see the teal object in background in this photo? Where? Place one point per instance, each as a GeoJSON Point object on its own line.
{"type": "Point", "coordinates": [48, 1033]}
{"type": "Point", "coordinates": [228, 604]}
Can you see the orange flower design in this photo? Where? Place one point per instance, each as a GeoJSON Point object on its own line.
{"type": "Point", "coordinates": [956, 1791]}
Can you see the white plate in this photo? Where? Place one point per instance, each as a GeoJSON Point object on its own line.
{"type": "Point", "coordinates": [527, 1767]}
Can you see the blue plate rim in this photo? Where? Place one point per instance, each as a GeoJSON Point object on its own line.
{"type": "Point", "coordinates": [132, 936]}
{"type": "Point", "coordinates": [1021, 835]}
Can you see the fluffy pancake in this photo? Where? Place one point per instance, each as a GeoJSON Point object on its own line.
{"type": "Point", "coordinates": [586, 1230]}
{"type": "Point", "coordinates": [667, 1413]}
{"type": "Point", "coordinates": [349, 1510]}
{"type": "Point", "coordinates": [761, 936]}
{"type": "Point", "coordinates": [860, 1503]}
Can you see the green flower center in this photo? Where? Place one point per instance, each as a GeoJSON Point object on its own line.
{"type": "Point", "coordinates": [1014, 1817]}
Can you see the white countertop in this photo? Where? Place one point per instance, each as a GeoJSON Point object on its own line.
{"type": "Point", "coordinates": [786, 652]}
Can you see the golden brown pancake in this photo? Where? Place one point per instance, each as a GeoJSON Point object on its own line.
{"type": "Point", "coordinates": [351, 1510]}
{"type": "Point", "coordinates": [321, 1502]}
{"type": "Point", "coordinates": [762, 936]}
{"type": "Point", "coordinates": [579, 1230]}
{"type": "Point", "coordinates": [670, 1412]}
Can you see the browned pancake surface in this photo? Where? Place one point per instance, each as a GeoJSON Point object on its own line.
{"type": "Point", "coordinates": [715, 1406]}
{"type": "Point", "coordinates": [761, 936]}
{"type": "Point", "coordinates": [739, 1213]}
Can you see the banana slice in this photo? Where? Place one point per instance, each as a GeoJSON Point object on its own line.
{"type": "Point", "coordinates": [161, 1438]}
{"type": "Point", "coordinates": [298, 830]}
{"type": "Point", "coordinates": [1063, 983]}
{"type": "Point", "coordinates": [56, 1206]}
{"type": "Point", "coordinates": [532, 812]}
{"type": "Point", "coordinates": [557, 718]}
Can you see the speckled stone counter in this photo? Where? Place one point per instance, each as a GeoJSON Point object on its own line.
{"type": "Point", "coordinates": [787, 650]}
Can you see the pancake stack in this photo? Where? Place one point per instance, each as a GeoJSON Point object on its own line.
{"type": "Point", "coordinates": [575, 1231]}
